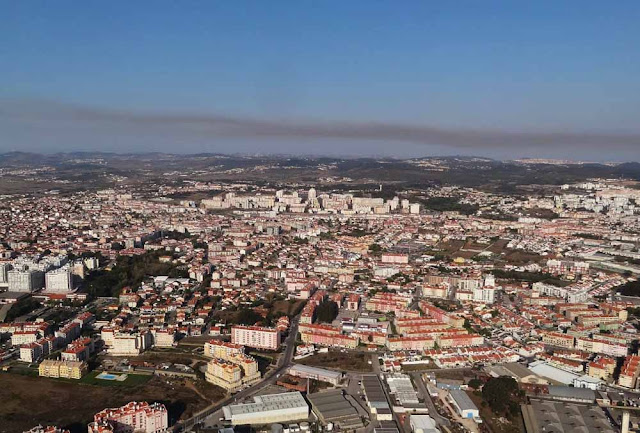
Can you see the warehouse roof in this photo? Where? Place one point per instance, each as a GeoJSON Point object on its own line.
{"type": "Point", "coordinates": [373, 391]}
{"type": "Point", "coordinates": [543, 369]}
{"type": "Point", "coordinates": [462, 400]}
{"type": "Point", "coordinates": [315, 371]}
{"type": "Point", "coordinates": [553, 417]}
{"type": "Point", "coordinates": [332, 406]}
{"type": "Point", "coordinates": [264, 403]}
{"type": "Point", "coordinates": [572, 393]}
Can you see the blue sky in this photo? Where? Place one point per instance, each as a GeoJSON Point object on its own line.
{"type": "Point", "coordinates": [544, 66]}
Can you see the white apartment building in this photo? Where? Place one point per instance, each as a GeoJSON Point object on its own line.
{"type": "Point", "coordinates": [4, 274]}
{"type": "Point", "coordinates": [30, 352]}
{"type": "Point", "coordinates": [25, 280]}
{"type": "Point", "coordinates": [130, 344]}
{"type": "Point", "coordinates": [59, 280]}
{"type": "Point", "coordinates": [163, 337]}
{"type": "Point", "coordinates": [484, 294]}
{"type": "Point", "coordinates": [19, 338]}
{"type": "Point", "coordinates": [256, 336]}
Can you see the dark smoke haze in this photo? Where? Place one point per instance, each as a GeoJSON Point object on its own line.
{"type": "Point", "coordinates": [44, 115]}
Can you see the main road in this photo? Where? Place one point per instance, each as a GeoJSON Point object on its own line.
{"type": "Point", "coordinates": [284, 362]}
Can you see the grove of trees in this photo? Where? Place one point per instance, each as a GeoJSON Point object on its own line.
{"type": "Point", "coordinates": [327, 311]}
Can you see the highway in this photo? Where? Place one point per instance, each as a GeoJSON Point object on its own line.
{"type": "Point", "coordinates": [269, 378]}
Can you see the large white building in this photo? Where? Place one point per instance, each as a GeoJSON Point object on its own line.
{"type": "Point", "coordinates": [126, 344]}
{"type": "Point", "coordinates": [25, 280]}
{"type": "Point", "coordinates": [163, 337]}
{"type": "Point", "coordinates": [256, 336]}
{"type": "Point", "coordinates": [484, 294]}
{"type": "Point", "coordinates": [268, 409]}
{"type": "Point", "coordinates": [306, 371]}
{"type": "Point", "coordinates": [423, 424]}
{"type": "Point", "coordinates": [59, 280]}
{"type": "Point", "coordinates": [19, 338]}
{"type": "Point", "coordinates": [4, 274]}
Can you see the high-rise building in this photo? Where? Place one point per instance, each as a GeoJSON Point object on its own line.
{"type": "Point", "coordinates": [4, 274]}
{"type": "Point", "coordinates": [25, 280]}
{"type": "Point", "coordinates": [59, 280]}
{"type": "Point", "coordinates": [256, 336]}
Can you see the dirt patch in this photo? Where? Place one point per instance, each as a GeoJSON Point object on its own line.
{"type": "Point", "coordinates": [348, 361]}
{"type": "Point", "coordinates": [29, 401]}
{"type": "Point", "coordinates": [286, 307]}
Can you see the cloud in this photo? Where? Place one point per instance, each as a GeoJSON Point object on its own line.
{"type": "Point", "coordinates": [216, 126]}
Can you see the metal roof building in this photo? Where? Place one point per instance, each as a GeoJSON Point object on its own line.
{"type": "Point", "coordinates": [376, 398]}
{"type": "Point", "coordinates": [402, 389]}
{"type": "Point", "coordinates": [543, 369]}
{"type": "Point", "coordinates": [332, 406]}
{"type": "Point", "coordinates": [566, 393]}
{"type": "Point", "coordinates": [423, 424]}
{"type": "Point", "coordinates": [267, 409]}
{"type": "Point", "coordinates": [316, 373]}
{"type": "Point", "coordinates": [463, 404]}
{"type": "Point", "coordinates": [555, 417]}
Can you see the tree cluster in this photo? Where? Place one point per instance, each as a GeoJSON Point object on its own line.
{"type": "Point", "coordinates": [502, 395]}
{"type": "Point", "coordinates": [327, 311]}
{"type": "Point", "coordinates": [129, 272]}
{"type": "Point", "coordinates": [631, 288]}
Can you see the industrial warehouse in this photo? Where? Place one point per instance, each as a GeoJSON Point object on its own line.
{"type": "Point", "coordinates": [376, 398]}
{"type": "Point", "coordinates": [307, 372]}
{"type": "Point", "coordinates": [333, 408]}
{"type": "Point", "coordinates": [549, 416]}
{"type": "Point", "coordinates": [267, 409]}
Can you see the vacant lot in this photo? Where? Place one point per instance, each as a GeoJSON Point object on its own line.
{"type": "Point", "coordinates": [157, 356]}
{"type": "Point", "coordinates": [287, 307]}
{"type": "Point", "coordinates": [349, 361]}
{"type": "Point", "coordinates": [28, 401]}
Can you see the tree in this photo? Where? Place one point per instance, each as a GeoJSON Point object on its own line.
{"type": "Point", "coordinates": [247, 316]}
{"type": "Point", "coordinates": [375, 249]}
{"type": "Point", "coordinates": [327, 311]}
{"type": "Point", "coordinates": [631, 288]}
{"type": "Point", "coordinates": [475, 383]}
{"type": "Point", "coordinates": [499, 392]}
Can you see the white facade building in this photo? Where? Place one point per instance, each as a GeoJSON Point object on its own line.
{"type": "Point", "coordinates": [59, 280]}
{"type": "Point", "coordinates": [484, 294]}
{"type": "Point", "coordinates": [256, 336]}
{"type": "Point", "coordinates": [4, 274]}
{"type": "Point", "coordinates": [26, 280]}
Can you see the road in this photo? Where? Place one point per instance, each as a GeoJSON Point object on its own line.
{"type": "Point", "coordinates": [422, 390]}
{"type": "Point", "coordinates": [269, 378]}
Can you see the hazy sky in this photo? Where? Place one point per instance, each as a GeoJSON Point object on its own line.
{"type": "Point", "coordinates": [496, 78]}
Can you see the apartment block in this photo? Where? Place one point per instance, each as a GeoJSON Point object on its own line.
{"type": "Point", "coordinates": [256, 336]}
{"type": "Point", "coordinates": [64, 369]}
